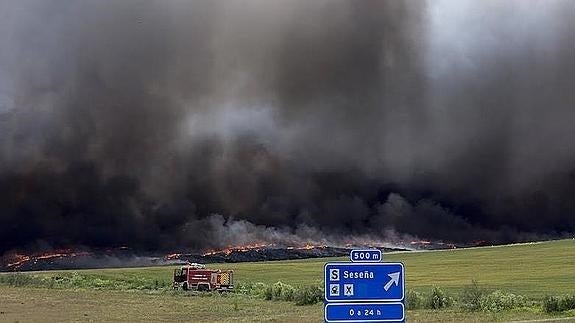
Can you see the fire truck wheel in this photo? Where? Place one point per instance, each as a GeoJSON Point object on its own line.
{"type": "Point", "coordinates": [185, 286]}
{"type": "Point", "coordinates": [202, 287]}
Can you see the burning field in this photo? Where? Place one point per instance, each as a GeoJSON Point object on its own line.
{"type": "Point", "coordinates": [180, 126]}
{"type": "Point", "coordinates": [124, 257]}
{"type": "Point", "coordinates": [68, 259]}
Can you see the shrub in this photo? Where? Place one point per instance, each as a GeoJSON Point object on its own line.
{"type": "Point", "coordinates": [282, 292]}
{"type": "Point", "coordinates": [499, 301]}
{"type": "Point", "coordinates": [558, 304]}
{"type": "Point", "coordinates": [268, 293]}
{"type": "Point", "coordinates": [258, 289]}
{"type": "Point", "coordinates": [19, 280]}
{"type": "Point", "coordinates": [567, 303]}
{"type": "Point", "coordinates": [251, 289]}
{"type": "Point", "coordinates": [308, 295]}
{"type": "Point", "coordinates": [287, 293]}
{"type": "Point", "coordinates": [279, 292]}
{"type": "Point", "coordinates": [551, 304]}
{"type": "Point", "coordinates": [413, 300]}
{"type": "Point", "coordinates": [438, 299]}
{"type": "Point", "coordinates": [472, 296]}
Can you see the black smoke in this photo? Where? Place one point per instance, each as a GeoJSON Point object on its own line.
{"type": "Point", "coordinates": [148, 124]}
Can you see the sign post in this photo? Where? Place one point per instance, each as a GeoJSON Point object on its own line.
{"type": "Point", "coordinates": [365, 255]}
{"type": "Point", "coordinates": [366, 291]}
{"type": "Point", "coordinates": [364, 312]}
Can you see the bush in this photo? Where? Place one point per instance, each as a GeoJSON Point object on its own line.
{"type": "Point", "coordinates": [268, 293]}
{"type": "Point", "coordinates": [499, 301]}
{"type": "Point", "coordinates": [438, 299]}
{"type": "Point", "coordinates": [472, 296]}
{"type": "Point", "coordinates": [287, 293]}
{"type": "Point", "coordinates": [19, 280]}
{"type": "Point", "coordinates": [281, 290]}
{"type": "Point", "coordinates": [567, 303]}
{"type": "Point", "coordinates": [558, 304]}
{"type": "Point", "coordinates": [413, 300]}
{"type": "Point", "coordinates": [258, 289]}
{"type": "Point", "coordinates": [251, 289]}
{"type": "Point", "coordinates": [308, 295]}
{"type": "Point", "coordinates": [83, 280]}
{"type": "Point", "coordinates": [551, 304]}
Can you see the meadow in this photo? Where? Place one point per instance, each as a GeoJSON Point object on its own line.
{"type": "Point", "coordinates": [533, 271]}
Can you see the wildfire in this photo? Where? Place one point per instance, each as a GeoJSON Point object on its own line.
{"type": "Point", "coordinates": [227, 251]}
{"type": "Point", "coordinates": [18, 260]}
{"type": "Point", "coordinates": [307, 247]}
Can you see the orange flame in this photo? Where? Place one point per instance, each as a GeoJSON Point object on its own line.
{"type": "Point", "coordinates": [18, 260]}
{"type": "Point", "coordinates": [227, 251]}
{"type": "Point", "coordinates": [173, 256]}
{"type": "Point", "coordinates": [259, 246]}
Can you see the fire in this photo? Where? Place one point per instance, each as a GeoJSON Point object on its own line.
{"type": "Point", "coordinates": [307, 247]}
{"type": "Point", "coordinates": [258, 246]}
{"type": "Point", "coordinates": [18, 260]}
{"type": "Point", "coordinates": [173, 256]}
{"type": "Point", "coordinates": [227, 251]}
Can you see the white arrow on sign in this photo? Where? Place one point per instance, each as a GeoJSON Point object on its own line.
{"type": "Point", "coordinates": [394, 280]}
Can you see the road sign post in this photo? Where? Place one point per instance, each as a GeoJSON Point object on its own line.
{"type": "Point", "coordinates": [365, 255]}
{"type": "Point", "coordinates": [364, 290]}
{"type": "Point", "coordinates": [364, 312]}
{"type": "Point", "coordinates": [364, 282]}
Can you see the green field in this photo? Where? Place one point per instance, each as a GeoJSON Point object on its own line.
{"type": "Point", "coordinates": [533, 270]}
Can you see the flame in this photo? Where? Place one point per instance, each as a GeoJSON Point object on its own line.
{"type": "Point", "coordinates": [227, 251]}
{"type": "Point", "coordinates": [18, 260]}
{"type": "Point", "coordinates": [173, 256]}
{"type": "Point", "coordinates": [310, 247]}
{"type": "Point", "coordinates": [259, 246]}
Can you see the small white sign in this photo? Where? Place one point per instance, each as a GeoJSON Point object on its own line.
{"type": "Point", "coordinates": [334, 275]}
{"type": "Point", "coordinates": [348, 289]}
{"type": "Point", "coordinates": [334, 290]}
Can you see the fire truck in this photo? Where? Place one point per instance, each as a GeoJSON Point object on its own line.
{"type": "Point", "coordinates": [197, 277]}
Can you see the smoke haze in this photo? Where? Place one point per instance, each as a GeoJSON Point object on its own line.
{"type": "Point", "coordinates": [170, 125]}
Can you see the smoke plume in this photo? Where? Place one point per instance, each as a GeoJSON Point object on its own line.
{"type": "Point", "coordinates": [165, 125]}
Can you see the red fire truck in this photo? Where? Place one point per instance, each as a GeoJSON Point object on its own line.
{"type": "Point", "coordinates": [197, 277]}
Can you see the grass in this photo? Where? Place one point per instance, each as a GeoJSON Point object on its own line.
{"type": "Point", "coordinates": [533, 270]}
{"type": "Point", "coordinates": [49, 305]}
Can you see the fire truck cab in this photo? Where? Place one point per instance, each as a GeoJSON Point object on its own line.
{"type": "Point", "coordinates": [197, 277]}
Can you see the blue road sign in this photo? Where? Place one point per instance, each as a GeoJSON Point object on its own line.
{"type": "Point", "coordinates": [364, 312]}
{"type": "Point", "coordinates": [364, 282]}
{"type": "Point", "coordinates": [365, 255]}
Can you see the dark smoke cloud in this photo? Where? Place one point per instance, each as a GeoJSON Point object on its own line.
{"type": "Point", "coordinates": [148, 124]}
